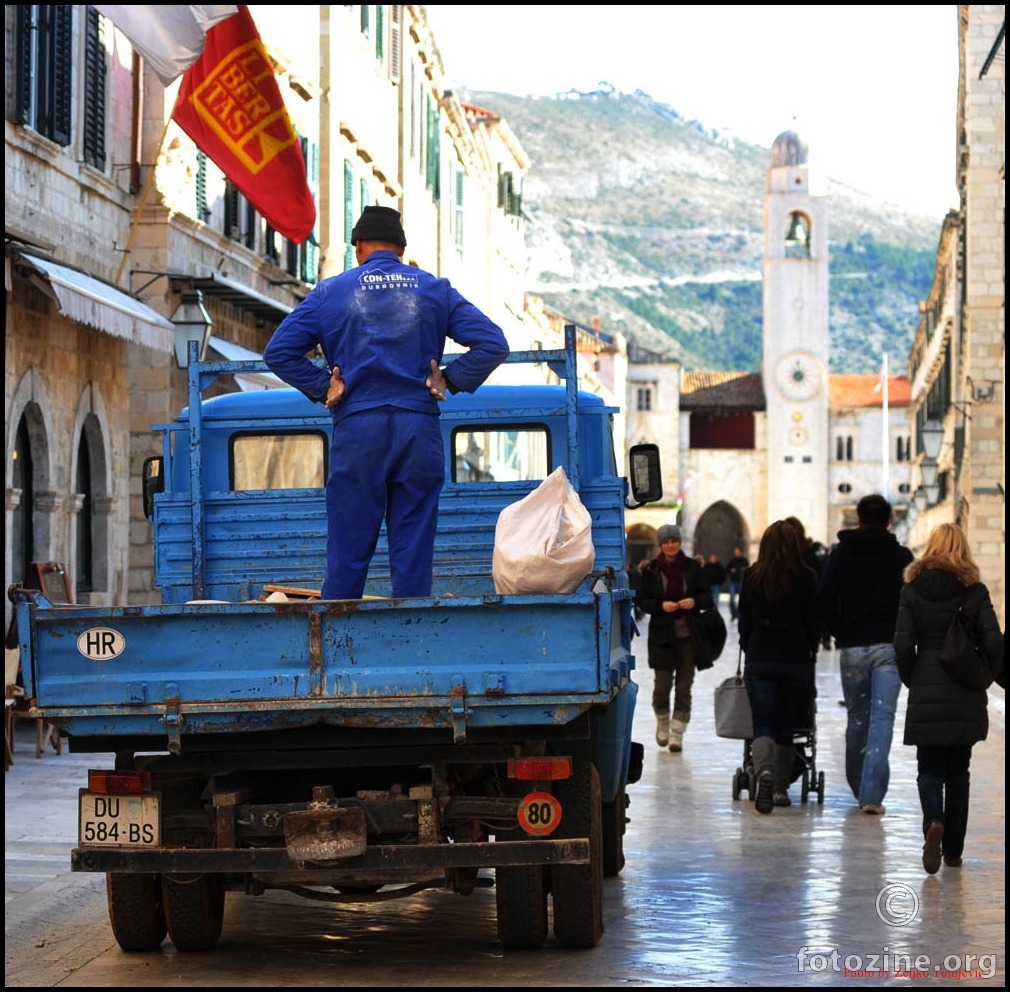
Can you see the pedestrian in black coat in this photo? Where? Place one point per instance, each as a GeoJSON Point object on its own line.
{"type": "Point", "coordinates": [944, 719]}
{"type": "Point", "coordinates": [779, 633]}
{"type": "Point", "coordinates": [672, 589]}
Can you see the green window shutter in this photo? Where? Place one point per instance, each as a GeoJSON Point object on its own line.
{"type": "Point", "coordinates": [202, 210]}
{"type": "Point", "coordinates": [60, 72]}
{"type": "Point", "coordinates": [458, 209]}
{"type": "Point", "coordinates": [395, 41]}
{"type": "Point", "coordinates": [310, 254]}
{"type": "Point", "coordinates": [380, 41]}
{"type": "Point", "coordinates": [23, 81]}
{"type": "Point", "coordinates": [94, 89]}
{"type": "Point", "coordinates": [348, 214]}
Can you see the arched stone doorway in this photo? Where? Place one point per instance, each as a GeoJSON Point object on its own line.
{"type": "Point", "coordinates": [720, 528]}
{"type": "Point", "coordinates": [640, 541]}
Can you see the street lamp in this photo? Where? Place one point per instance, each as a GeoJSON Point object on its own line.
{"type": "Point", "coordinates": [192, 323]}
{"type": "Point", "coordinates": [920, 499]}
{"type": "Point", "coordinates": [929, 469]}
{"type": "Point", "coordinates": [932, 438]}
{"type": "Point", "coordinates": [933, 494]}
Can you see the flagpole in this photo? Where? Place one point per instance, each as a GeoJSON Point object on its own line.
{"type": "Point", "coordinates": [144, 194]}
{"type": "Point", "coordinates": [886, 431]}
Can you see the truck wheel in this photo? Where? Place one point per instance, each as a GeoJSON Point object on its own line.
{"type": "Point", "coordinates": [194, 910]}
{"type": "Point", "coordinates": [578, 889]}
{"type": "Point", "coordinates": [521, 901]}
{"type": "Point", "coordinates": [135, 911]}
{"type": "Point", "coordinates": [614, 824]}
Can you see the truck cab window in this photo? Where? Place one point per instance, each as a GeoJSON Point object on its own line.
{"type": "Point", "coordinates": [520, 454]}
{"type": "Point", "coordinates": [278, 461]}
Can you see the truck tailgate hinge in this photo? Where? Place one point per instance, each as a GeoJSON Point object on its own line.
{"type": "Point", "coordinates": [457, 693]}
{"type": "Point", "coordinates": [173, 722]}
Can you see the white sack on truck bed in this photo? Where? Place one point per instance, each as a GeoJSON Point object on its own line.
{"type": "Point", "coordinates": [544, 542]}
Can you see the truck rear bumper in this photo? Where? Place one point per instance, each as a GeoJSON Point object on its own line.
{"type": "Point", "coordinates": [377, 858]}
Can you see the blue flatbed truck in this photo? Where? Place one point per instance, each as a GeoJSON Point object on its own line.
{"type": "Point", "coordinates": [352, 750]}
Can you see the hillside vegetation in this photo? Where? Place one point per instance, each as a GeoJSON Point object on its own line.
{"type": "Point", "coordinates": [653, 224]}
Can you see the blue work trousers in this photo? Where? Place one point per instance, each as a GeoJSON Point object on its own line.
{"type": "Point", "coordinates": [870, 686]}
{"type": "Point", "coordinates": [385, 463]}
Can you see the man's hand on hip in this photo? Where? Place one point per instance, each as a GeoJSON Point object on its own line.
{"type": "Point", "coordinates": [435, 381]}
{"type": "Point", "coordinates": [336, 391]}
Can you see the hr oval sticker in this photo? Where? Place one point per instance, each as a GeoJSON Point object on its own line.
{"type": "Point", "coordinates": [101, 644]}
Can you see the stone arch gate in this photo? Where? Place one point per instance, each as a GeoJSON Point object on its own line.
{"type": "Point", "coordinates": [720, 528]}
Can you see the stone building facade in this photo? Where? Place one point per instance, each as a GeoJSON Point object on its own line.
{"type": "Point", "coordinates": [112, 212]}
{"type": "Point", "coordinates": [958, 359]}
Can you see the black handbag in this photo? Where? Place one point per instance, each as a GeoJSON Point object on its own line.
{"type": "Point", "coordinates": [960, 657]}
{"type": "Point", "coordinates": [709, 637]}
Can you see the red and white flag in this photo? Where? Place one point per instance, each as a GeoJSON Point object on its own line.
{"type": "Point", "coordinates": [170, 37]}
{"type": "Point", "coordinates": [229, 103]}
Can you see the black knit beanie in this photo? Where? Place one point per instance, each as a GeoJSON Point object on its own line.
{"type": "Point", "coordinates": [379, 224]}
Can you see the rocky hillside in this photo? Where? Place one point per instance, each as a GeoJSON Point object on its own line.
{"type": "Point", "coordinates": [653, 224]}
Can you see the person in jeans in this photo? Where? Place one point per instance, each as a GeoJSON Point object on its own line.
{"type": "Point", "coordinates": [859, 594]}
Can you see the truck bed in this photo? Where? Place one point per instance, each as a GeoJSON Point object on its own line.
{"type": "Point", "coordinates": [457, 663]}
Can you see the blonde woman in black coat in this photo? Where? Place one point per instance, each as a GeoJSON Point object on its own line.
{"type": "Point", "coordinates": [944, 719]}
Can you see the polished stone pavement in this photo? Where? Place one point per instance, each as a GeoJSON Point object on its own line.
{"type": "Point", "coordinates": [712, 894]}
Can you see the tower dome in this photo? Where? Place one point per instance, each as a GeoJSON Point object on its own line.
{"type": "Point", "coordinates": [789, 149]}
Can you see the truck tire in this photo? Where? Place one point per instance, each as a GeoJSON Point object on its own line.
{"type": "Point", "coordinates": [578, 889]}
{"type": "Point", "coordinates": [614, 824]}
{"type": "Point", "coordinates": [135, 911]}
{"type": "Point", "coordinates": [194, 910]}
{"type": "Point", "coordinates": [521, 899]}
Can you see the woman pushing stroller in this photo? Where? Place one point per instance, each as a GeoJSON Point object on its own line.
{"type": "Point", "coordinates": [780, 629]}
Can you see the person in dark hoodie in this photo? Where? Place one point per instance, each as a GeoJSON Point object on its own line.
{"type": "Point", "coordinates": [858, 600]}
{"type": "Point", "coordinates": [944, 719]}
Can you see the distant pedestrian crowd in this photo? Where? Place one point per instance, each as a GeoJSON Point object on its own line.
{"type": "Point", "coordinates": [888, 614]}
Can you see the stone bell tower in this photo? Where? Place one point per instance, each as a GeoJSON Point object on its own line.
{"type": "Point", "coordinates": [794, 364]}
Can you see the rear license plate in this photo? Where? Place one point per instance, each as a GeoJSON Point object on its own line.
{"type": "Point", "coordinates": [119, 821]}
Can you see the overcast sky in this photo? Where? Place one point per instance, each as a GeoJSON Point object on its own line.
{"type": "Point", "coordinates": [873, 89]}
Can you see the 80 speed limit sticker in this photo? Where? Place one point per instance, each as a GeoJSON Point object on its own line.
{"type": "Point", "coordinates": [539, 813]}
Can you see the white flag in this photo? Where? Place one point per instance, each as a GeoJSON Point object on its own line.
{"type": "Point", "coordinates": [170, 37]}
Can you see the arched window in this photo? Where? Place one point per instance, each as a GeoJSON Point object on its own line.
{"type": "Point", "coordinates": [797, 236]}
{"type": "Point", "coordinates": [23, 531]}
{"type": "Point", "coordinates": [85, 545]}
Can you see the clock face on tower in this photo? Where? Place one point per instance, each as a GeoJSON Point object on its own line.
{"type": "Point", "coordinates": [798, 375]}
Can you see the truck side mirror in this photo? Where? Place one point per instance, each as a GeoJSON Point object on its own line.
{"type": "Point", "coordinates": [154, 482]}
{"type": "Point", "coordinates": [646, 474]}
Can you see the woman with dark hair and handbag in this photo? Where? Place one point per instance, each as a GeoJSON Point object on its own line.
{"type": "Point", "coordinates": [779, 633]}
{"type": "Point", "coordinates": [944, 717]}
{"type": "Point", "coordinates": [672, 591]}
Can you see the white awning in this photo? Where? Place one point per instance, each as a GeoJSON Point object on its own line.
{"type": "Point", "coordinates": [97, 304]}
{"type": "Point", "coordinates": [251, 381]}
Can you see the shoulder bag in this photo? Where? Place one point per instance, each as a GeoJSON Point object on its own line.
{"type": "Point", "coordinates": [960, 657]}
{"type": "Point", "coordinates": [732, 707]}
{"type": "Point", "coordinates": [710, 637]}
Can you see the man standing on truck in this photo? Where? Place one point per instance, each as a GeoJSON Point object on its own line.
{"type": "Point", "coordinates": [382, 329]}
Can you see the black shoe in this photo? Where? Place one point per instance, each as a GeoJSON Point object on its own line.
{"type": "Point", "coordinates": [764, 801]}
{"type": "Point", "coordinates": [931, 850]}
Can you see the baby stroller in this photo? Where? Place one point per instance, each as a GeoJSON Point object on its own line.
{"type": "Point", "coordinates": [804, 765]}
